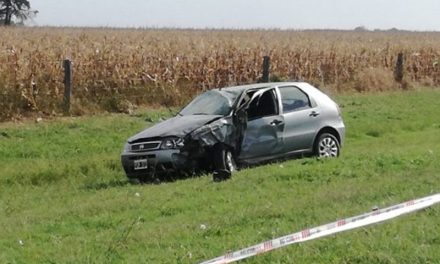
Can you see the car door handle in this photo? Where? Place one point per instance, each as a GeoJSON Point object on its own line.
{"type": "Point", "coordinates": [314, 114]}
{"type": "Point", "coordinates": [276, 122]}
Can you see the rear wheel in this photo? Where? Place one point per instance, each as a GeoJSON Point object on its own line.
{"type": "Point", "coordinates": [327, 146]}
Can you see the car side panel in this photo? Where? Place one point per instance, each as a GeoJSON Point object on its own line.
{"type": "Point", "coordinates": [300, 129]}
{"type": "Point", "coordinates": [263, 137]}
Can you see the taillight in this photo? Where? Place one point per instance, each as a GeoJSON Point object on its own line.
{"type": "Point", "coordinates": [339, 110]}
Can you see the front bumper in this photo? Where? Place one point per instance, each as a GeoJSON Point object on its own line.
{"type": "Point", "coordinates": [159, 161]}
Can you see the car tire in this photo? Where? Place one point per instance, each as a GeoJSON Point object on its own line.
{"type": "Point", "coordinates": [224, 163]}
{"type": "Point", "coordinates": [327, 146]}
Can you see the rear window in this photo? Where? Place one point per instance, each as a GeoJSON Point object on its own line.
{"type": "Point", "coordinates": [294, 99]}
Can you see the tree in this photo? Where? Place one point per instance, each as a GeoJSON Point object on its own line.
{"type": "Point", "coordinates": [18, 9]}
{"type": "Point", "coordinates": [361, 29]}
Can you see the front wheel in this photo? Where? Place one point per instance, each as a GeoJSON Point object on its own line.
{"type": "Point", "coordinates": [224, 163]}
{"type": "Point", "coordinates": [327, 146]}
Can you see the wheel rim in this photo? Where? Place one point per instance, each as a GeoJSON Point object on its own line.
{"type": "Point", "coordinates": [328, 147]}
{"type": "Point", "coordinates": [230, 161]}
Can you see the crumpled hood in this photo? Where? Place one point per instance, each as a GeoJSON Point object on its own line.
{"type": "Point", "coordinates": [178, 126]}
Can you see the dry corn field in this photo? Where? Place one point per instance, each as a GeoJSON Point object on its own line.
{"type": "Point", "coordinates": [116, 70]}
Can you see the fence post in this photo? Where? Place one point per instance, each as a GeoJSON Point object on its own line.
{"type": "Point", "coordinates": [398, 70]}
{"type": "Point", "coordinates": [67, 64]}
{"type": "Point", "coordinates": [266, 65]}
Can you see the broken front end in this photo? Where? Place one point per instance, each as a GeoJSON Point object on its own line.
{"type": "Point", "coordinates": [188, 142]}
{"type": "Point", "coordinates": [174, 156]}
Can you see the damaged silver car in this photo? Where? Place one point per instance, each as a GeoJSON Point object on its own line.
{"type": "Point", "coordinates": [223, 129]}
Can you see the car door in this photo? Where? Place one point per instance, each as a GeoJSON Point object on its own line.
{"type": "Point", "coordinates": [301, 116]}
{"type": "Point", "coordinates": [263, 136]}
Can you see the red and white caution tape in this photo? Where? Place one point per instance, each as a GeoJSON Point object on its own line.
{"type": "Point", "coordinates": [376, 216]}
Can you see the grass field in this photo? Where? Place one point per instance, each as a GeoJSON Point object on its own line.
{"type": "Point", "coordinates": [64, 197]}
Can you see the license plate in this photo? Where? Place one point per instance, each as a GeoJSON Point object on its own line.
{"type": "Point", "coordinates": [140, 164]}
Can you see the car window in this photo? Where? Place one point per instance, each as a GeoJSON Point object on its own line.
{"type": "Point", "coordinates": [209, 103]}
{"type": "Point", "coordinates": [294, 99]}
{"type": "Point", "coordinates": [265, 104]}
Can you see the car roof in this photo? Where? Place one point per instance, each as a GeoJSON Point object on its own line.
{"type": "Point", "coordinates": [239, 89]}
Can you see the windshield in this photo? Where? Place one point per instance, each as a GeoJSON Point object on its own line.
{"type": "Point", "coordinates": [212, 102]}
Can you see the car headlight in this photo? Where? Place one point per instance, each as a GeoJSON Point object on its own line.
{"type": "Point", "coordinates": [172, 143]}
{"type": "Point", "coordinates": [168, 144]}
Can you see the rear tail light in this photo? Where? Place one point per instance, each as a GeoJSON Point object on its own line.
{"type": "Point", "coordinates": [339, 110]}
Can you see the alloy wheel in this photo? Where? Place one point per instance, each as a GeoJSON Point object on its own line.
{"type": "Point", "coordinates": [328, 147]}
{"type": "Point", "coordinates": [229, 160]}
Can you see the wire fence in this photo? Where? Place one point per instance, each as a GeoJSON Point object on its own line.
{"type": "Point", "coordinates": [40, 83]}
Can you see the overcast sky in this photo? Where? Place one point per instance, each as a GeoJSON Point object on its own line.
{"type": "Point", "coordinates": [291, 14]}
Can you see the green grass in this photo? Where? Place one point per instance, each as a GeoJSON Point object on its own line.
{"type": "Point", "coordinates": [64, 195]}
